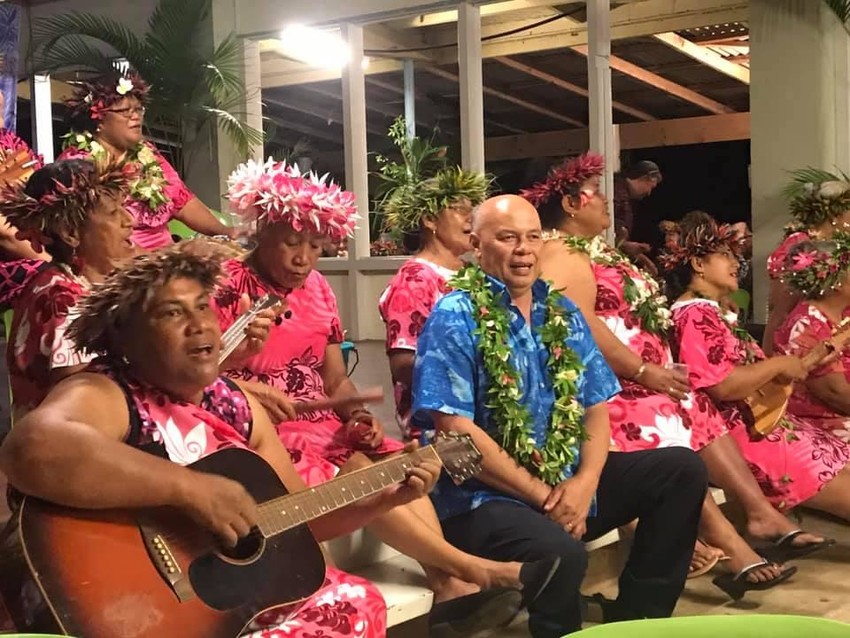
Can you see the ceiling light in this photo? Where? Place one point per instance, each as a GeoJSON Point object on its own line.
{"type": "Point", "coordinates": [315, 47]}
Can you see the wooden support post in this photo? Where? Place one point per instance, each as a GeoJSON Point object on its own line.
{"type": "Point", "coordinates": [471, 85]}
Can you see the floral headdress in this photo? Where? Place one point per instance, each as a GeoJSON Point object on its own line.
{"type": "Point", "coordinates": [11, 145]}
{"type": "Point", "coordinates": [277, 192]}
{"type": "Point", "coordinates": [423, 185]}
{"type": "Point", "coordinates": [573, 172]}
{"type": "Point", "coordinates": [817, 196]}
{"type": "Point", "coordinates": [93, 97]}
{"type": "Point", "coordinates": [38, 220]}
{"type": "Point", "coordinates": [814, 268]}
{"type": "Point", "coordinates": [699, 241]}
{"type": "Point", "coordinates": [111, 304]}
{"type": "Point", "coordinates": [668, 227]}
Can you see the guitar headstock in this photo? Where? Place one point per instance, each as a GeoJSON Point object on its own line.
{"type": "Point", "coordinates": [461, 459]}
{"type": "Point", "coordinates": [264, 303]}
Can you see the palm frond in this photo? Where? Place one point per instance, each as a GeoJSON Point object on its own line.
{"type": "Point", "coordinates": [242, 135]}
{"type": "Point", "coordinates": [49, 31]}
{"type": "Point", "coordinates": [75, 53]}
{"type": "Point", "coordinates": [840, 8]}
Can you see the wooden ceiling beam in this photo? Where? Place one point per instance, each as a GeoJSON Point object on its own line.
{"type": "Point", "coordinates": [662, 84]}
{"type": "Point", "coordinates": [569, 86]}
{"type": "Point", "coordinates": [705, 56]}
{"type": "Point", "coordinates": [508, 98]}
{"type": "Point", "coordinates": [678, 132]}
{"type": "Point", "coordinates": [311, 112]}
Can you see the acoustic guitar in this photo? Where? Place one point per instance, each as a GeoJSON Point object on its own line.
{"type": "Point", "coordinates": [156, 574]}
{"type": "Point", "coordinates": [769, 402]}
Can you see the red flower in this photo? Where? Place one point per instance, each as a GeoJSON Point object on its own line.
{"type": "Point", "coordinates": [483, 311]}
{"type": "Point", "coordinates": [557, 351]}
{"type": "Point", "coordinates": [506, 379]}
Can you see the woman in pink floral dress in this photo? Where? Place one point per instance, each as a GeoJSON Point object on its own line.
{"type": "Point", "coordinates": [430, 204]}
{"type": "Point", "coordinates": [820, 207]}
{"type": "Point", "coordinates": [823, 397]}
{"type": "Point", "coordinates": [798, 462]}
{"type": "Point", "coordinates": [302, 361]}
{"type": "Point", "coordinates": [73, 208]}
{"type": "Point", "coordinates": [106, 121]}
{"type": "Point", "coordinates": [629, 319]}
{"type": "Point", "coordinates": [156, 388]}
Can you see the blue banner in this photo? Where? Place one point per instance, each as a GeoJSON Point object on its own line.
{"type": "Point", "coordinates": [10, 34]}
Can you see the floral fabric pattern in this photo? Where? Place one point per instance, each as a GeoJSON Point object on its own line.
{"type": "Point", "coordinates": [404, 306]}
{"type": "Point", "coordinates": [15, 276]}
{"type": "Point", "coordinates": [37, 340]}
{"type": "Point", "coordinates": [150, 230]}
{"type": "Point", "coordinates": [802, 330]}
{"type": "Point", "coordinates": [790, 465]}
{"type": "Point", "coordinates": [292, 360]}
{"type": "Point", "coordinates": [345, 606]}
{"type": "Point", "coordinates": [449, 377]}
{"type": "Point", "coordinates": [642, 419]}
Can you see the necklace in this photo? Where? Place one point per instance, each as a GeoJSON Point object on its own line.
{"type": "Point", "coordinates": [150, 185]}
{"type": "Point", "coordinates": [643, 294]}
{"type": "Point", "coordinates": [512, 419]}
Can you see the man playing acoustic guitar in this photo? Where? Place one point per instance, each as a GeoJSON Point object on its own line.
{"type": "Point", "coordinates": [117, 437]}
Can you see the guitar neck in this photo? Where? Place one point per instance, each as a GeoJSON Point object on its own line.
{"type": "Point", "coordinates": [280, 514]}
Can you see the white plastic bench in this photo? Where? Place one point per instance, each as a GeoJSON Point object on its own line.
{"type": "Point", "coordinates": [401, 580]}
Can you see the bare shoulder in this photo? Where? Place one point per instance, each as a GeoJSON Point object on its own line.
{"type": "Point", "coordinates": [563, 252]}
{"type": "Point", "coordinates": [86, 397]}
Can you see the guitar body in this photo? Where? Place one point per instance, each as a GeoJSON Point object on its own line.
{"type": "Point", "coordinates": [768, 405]}
{"type": "Point", "coordinates": [154, 573]}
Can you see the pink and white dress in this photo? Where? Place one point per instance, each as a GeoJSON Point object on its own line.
{"type": "Point", "coordinates": [38, 341]}
{"type": "Point", "coordinates": [642, 419]}
{"type": "Point", "coordinates": [291, 361]}
{"type": "Point", "coordinates": [150, 229]}
{"type": "Point", "coordinates": [404, 306]}
{"type": "Point", "coordinates": [790, 464]}
{"type": "Point", "coordinates": [346, 606]}
{"type": "Point", "coordinates": [804, 328]}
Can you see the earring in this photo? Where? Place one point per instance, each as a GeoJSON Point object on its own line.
{"type": "Point", "coordinates": [76, 263]}
{"type": "Point", "coordinates": [701, 275]}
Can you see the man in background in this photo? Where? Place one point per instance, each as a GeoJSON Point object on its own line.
{"type": "Point", "coordinates": [630, 185]}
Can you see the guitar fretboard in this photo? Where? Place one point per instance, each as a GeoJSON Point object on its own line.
{"type": "Point", "coordinates": [286, 512]}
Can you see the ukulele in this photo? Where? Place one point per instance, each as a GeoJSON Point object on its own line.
{"type": "Point", "coordinates": [154, 573]}
{"type": "Point", "coordinates": [769, 402]}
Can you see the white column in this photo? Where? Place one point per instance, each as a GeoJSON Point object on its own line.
{"type": "Point", "coordinates": [252, 72]}
{"type": "Point", "coordinates": [356, 173]}
{"type": "Point", "coordinates": [799, 103]}
{"type": "Point", "coordinates": [471, 87]}
{"type": "Point", "coordinates": [409, 98]}
{"type": "Point", "coordinates": [42, 116]}
{"type": "Point", "coordinates": [602, 133]}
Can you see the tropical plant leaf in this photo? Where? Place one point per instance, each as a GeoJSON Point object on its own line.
{"type": "Point", "coordinates": [841, 8]}
{"type": "Point", "coordinates": [236, 129]}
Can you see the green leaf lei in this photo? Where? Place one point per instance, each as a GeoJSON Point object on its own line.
{"type": "Point", "coordinates": [149, 187]}
{"type": "Point", "coordinates": [644, 297]}
{"type": "Point", "coordinates": [513, 420]}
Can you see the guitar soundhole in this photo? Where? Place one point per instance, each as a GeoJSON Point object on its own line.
{"type": "Point", "coordinates": [247, 550]}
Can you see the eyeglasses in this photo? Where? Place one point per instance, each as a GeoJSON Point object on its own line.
{"type": "Point", "coordinates": [129, 112]}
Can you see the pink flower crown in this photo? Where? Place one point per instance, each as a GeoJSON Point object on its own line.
{"type": "Point", "coordinates": [574, 171]}
{"type": "Point", "coordinates": [814, 268]}
{"type": "Point", "coordinates": [276, 192]}
{"type": "Point", "coordinates": [95, 97]}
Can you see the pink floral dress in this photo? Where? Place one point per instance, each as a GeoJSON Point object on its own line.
{"type": "Point", "coordinates": [38, 343]}
{"type": "Point", "coordinates": [151, 226]}
{"type": "Point", "coordinates": [802, 330]}
{"type": "Point", "coordinates": [346, 606]}
{"type": "Point", "coordinates": [642, 419]}
{"type": "Point", "coordinates": [792, 463]}
{"type": "Point", "coordinates": [291, 361]}
{"type": "Point", "coordinates": [404, 306]}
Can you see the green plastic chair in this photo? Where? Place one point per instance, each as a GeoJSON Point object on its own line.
{"type": "Point", "coordinates": [749, 626]}
{"type": "Point", "coordinates": [181, 230]}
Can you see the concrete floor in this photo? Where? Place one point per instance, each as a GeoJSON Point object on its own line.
{"type": "Point", "coordinates": [820, 588]}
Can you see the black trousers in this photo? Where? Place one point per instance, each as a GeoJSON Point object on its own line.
{"type": "Point", "coordinates": [664, 489]}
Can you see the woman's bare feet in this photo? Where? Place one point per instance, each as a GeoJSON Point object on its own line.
{"type": "Point", "coordinates": [705, 557]}
{"type": "Point", "coordinates": [741, 556]}
{"type": "Point", "coordinates": [771, 525]}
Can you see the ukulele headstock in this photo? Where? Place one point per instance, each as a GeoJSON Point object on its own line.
{"type": "Point", "coordinates": [461, 459]}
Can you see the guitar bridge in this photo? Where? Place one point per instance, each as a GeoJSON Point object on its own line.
{"type": "Point", "coordinates": [166, 564]}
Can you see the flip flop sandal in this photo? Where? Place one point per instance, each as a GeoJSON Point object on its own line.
{"type": "Point", "coordinates": [736, 585]}
{"type": "Point", "coordinates": [783, 549]}
{"type": "Point", "coordinates": [467, 615]}
{"type": "Point", "coordinates": [711, 564]}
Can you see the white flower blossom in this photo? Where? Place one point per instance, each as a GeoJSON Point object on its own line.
{"type": "Point", "coordinates": [125, 85]}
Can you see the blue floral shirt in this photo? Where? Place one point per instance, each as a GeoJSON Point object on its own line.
{"type": "Point", "coordinates": [449, 377]}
